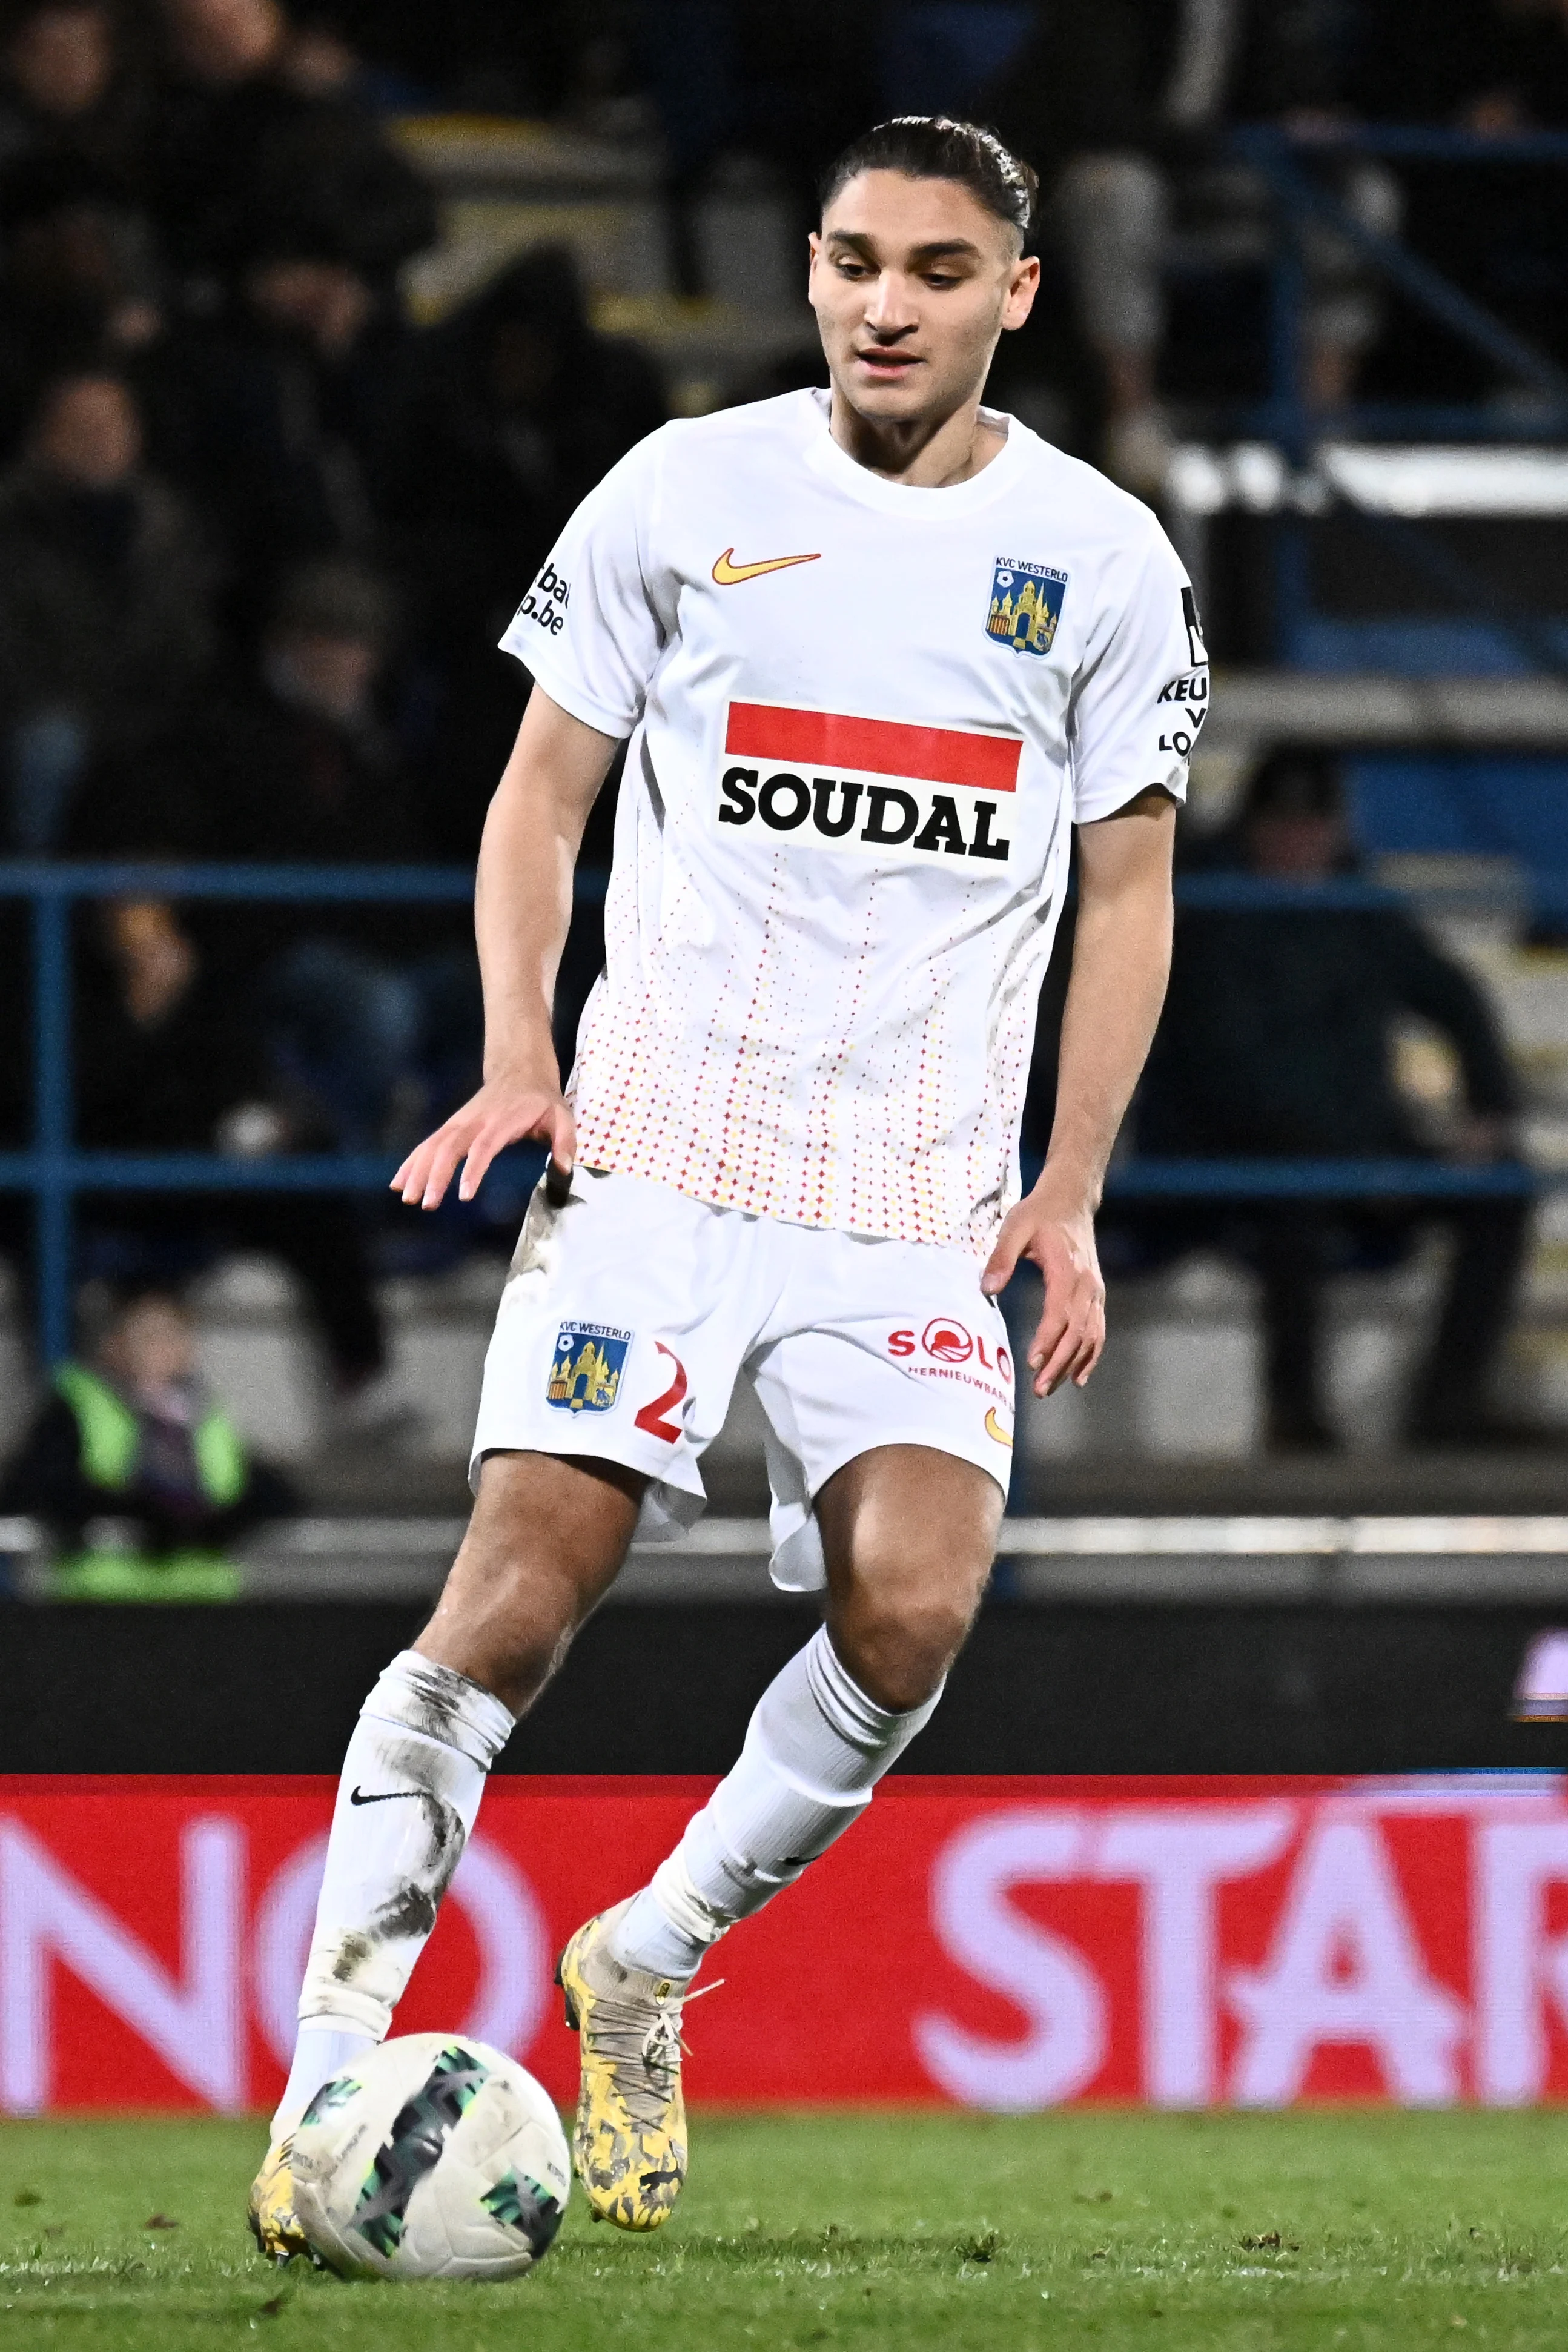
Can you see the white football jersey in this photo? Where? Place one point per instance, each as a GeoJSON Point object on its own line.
{"type": "Point", "coordinates": [864, 719]}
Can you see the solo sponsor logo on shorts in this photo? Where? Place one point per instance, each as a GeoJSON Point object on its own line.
{"type": "Point", "coordinates": [949, 1343]}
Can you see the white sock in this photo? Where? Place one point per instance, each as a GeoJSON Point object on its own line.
{"type": "Point", "coordinates": [815, 1749]}
{"type": "Point", "coordinates": [409, 1795]}
{"type": "Point", "coordinates": [319, 2052]}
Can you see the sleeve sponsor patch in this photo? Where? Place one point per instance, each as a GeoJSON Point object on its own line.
{"type": "Point", "coordinates": [1183, 708]}
{"type": "Point", "coordinates": [546, 602]}
{"type": "Point", "coordinates": [1189, 613]}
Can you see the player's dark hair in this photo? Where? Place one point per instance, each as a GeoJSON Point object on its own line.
{"type": "Point", "coordinates": [936, 147]}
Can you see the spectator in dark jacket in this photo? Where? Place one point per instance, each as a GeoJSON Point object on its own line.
{"type": "Point", "coordinates": [105, 598]}
{"type": "Point", "coordinates": [238, 135]}
{"type": "Point", "coordinates": [170, 1058]}
{"type": "Point", "coordinates": [1277, 1042]}
{"type": "Point", "coordinates": [1491, 65]}
{"type": "Point", "coordinates": [523, 408]}
{"type": "Point", "coordinates": [63, 89]}
{"type": "Point", "coordinates": [81, 285]}
{"type": "Point", "coordinates": [276, 414]}
{"type": "Point", "coordinates": [374, 1011]}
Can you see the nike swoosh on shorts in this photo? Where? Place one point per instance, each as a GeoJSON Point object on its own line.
{"type": "Point", "coordinates": [382, 1796]}
{"type": "Point", "coordinates": [730, 575]}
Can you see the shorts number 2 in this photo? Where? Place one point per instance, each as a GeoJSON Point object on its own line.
{"type": "Point", "coordinates": [649, 1418]}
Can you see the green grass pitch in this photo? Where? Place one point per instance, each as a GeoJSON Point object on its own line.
{"type": "Point", "coordinates": [1232, 2234]}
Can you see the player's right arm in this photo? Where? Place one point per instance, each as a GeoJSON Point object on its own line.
{"type": "Point", "coordinates": [522, 908]}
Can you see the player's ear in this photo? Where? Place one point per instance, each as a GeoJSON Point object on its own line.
{"type": "Point", "coordinates": [1023, 284]}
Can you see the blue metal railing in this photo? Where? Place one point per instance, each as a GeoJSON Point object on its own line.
{"type": "Point", "coordinates": [1285, 161]}
{"type": "Point", "coordinates": [53, 1169]}
{"type": "Point", "coordinates": [57, 1172]}
{"type": "Point", "coordinates": [1286, 164]}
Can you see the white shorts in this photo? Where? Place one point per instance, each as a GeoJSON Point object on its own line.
{"type": "Point", "coordinates": [630, 1311]}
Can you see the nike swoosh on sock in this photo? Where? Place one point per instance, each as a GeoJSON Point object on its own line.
{"type": "Point", "coordinates": [382, 1796]}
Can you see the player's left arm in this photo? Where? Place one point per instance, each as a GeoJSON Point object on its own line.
{"type": "Point", "coordinates": [1121, 963]}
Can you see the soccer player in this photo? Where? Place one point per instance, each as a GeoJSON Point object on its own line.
{"type": "Point", "coordinates": [875, 654]}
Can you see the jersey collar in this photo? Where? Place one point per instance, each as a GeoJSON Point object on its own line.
{"type": "Point", "coordinates": [824, 457]}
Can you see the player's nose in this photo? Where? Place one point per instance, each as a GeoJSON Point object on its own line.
{"type": "Point", "coordinates": [888, 310]}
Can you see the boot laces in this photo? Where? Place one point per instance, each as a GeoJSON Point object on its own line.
{"type": "Point", "coordinates": [643, 2054]}
{"type": "Point", "coordinates": [662, 2045]}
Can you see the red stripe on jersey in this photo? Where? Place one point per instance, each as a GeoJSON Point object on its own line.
{"type": "Point", "coordinates": [881, 747]}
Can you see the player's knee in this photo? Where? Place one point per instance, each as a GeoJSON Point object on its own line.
{"type": "Point", "coordinates": [898, 1646]}
{"type": "Point", "coordinates": [509, 1649]}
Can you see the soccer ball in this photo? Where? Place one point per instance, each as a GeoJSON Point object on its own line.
{"type": "Point", "coordinates": [432, 2156]}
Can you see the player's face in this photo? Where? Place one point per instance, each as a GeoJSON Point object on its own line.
{"type": "Point", "coordinates": [913, 281]}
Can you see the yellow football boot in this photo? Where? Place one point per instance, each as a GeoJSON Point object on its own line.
{"type": "Point", "coordinates": [271, 2210]}
{"type": "Point", "coordinates": [630, 2144]}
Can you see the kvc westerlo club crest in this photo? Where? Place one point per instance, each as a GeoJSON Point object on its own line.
{"type": "Point", "coordinates": [586, 1368]}
{"type": "Point", "coordinates": [1026, 605]}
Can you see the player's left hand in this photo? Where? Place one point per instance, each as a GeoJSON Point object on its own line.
{"type": "Point", "coordinates": [1071, 1332]}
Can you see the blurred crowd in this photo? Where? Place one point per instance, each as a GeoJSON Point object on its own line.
{"type": "Point", "coordinates": [259, 532]}
{"type": "Point", "coordinates": [1155, 237]}
{"type": "Point", "coordinates": [258, 536]}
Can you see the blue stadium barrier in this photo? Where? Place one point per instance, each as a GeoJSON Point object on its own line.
{"type": "Point", "coordinates": [56, 1173]}
{"type": "Point", "coordinates": [1498, 632]}
{"type": "Point", "coordinates": [53, 1169]}
{"type": "Point", "coordinates": [1285, 161]}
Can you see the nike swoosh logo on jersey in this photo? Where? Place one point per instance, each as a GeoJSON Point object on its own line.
{"type": "Point", "coordinates": [730, 575]}
{"type": "Point", "coordinates": [381, 1797]}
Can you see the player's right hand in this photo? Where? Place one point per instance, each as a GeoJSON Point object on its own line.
{"type": "Point", "coordinates": [505, 1110]}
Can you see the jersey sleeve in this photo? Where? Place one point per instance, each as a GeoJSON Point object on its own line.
{"type": "Point", "coordinates": [1141, 696]}
{"type": "Point", "coordinates": [593, 625]}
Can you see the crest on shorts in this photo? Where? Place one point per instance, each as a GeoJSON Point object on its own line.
{"type": "Point", "coordinates": [585, 1370]}
{"type": "Point", "coordinates": [1026, 605]}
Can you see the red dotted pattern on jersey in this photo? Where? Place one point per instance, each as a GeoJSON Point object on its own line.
{"type": "Point", "coordinates": [823, 1162]}
{"type": "Point", "coordinates": [881, 1127]}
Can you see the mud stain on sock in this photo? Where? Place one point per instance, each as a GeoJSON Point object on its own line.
{"type": "Point", "coordinates": [409, 1911]}
{"type": "Point", "coordinates": [434, 1701]}
{"type": "Point", "coordinates": [353, 1951]}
